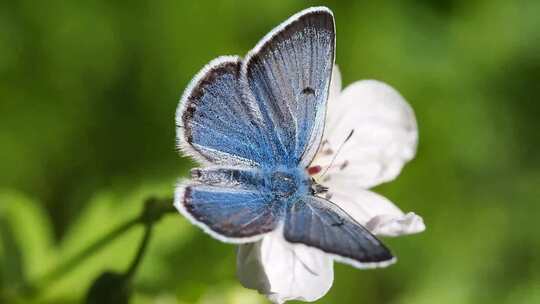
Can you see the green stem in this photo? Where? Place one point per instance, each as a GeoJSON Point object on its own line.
{"type": "Point", "coordinates": [154, 210]}
{"type": "Point", "coordinates": [140, 252]}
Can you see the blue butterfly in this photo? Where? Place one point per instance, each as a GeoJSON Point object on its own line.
{"type": "Point", "coordinates": [255, 124]}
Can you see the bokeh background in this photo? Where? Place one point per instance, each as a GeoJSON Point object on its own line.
{"type": "Point", "coordinates": [88, 91]}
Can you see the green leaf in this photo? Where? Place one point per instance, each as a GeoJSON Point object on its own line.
{"type": "Point", "coordinates": [25, 241]}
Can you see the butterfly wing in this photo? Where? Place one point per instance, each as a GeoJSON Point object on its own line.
{"type": "Point", "coordinates": [228, 204]}
{"type": "Point", "coordinates": [269, 110]}
{"type": "Point", "coordinates": [216, 123]}
{"type": "Point", "coordinates": [288, 74]}
{"type": "Point", "coordinates": [319, 223]}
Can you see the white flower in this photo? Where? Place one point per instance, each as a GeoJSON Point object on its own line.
{"type": "Point", "coordinates": [384, 137]}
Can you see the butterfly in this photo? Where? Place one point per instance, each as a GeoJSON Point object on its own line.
{"type": "Point", "coordinates": [255, 124]}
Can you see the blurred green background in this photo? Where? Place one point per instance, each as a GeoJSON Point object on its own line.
{"type": "Point", "coordinates": [88, 91]}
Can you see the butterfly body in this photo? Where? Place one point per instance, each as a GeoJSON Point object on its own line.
{"type": "Point", "coordinates": [256, 124]}
{"type": "Point", "coordinates": [281, 185]}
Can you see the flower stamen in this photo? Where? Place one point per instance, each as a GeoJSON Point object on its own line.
{"type": "Point", "coordinates": [338, 150]}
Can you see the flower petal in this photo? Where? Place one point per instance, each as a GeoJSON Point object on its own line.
{"type": "Point", "coordinates": [384, 138]}
{"type": "Point", "coordinates": [387, 225]}
{"type": "Point", "coordinates": [335, 85]}
{"type": "Point", "coordinates": [284, 271]}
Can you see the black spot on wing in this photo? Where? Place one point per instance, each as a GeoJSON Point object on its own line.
{"type": "Point", "coordinates": [308, 91]}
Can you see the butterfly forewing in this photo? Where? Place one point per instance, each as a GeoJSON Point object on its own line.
{"type": "Point", "coordinates": [288, 73]}
{"type": "Point", "coordinates": [216, 123]}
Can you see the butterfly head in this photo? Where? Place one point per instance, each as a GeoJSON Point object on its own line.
{"type": "Point", "coordinates": [317, 188]}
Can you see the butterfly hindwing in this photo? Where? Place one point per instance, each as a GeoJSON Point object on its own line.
{"type": "Point", "coordinates": [319, 223]}
{"type": "Point", "coordinates": [228, 204]}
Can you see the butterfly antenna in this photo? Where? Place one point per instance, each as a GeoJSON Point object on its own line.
{"type": "Point", "coordinates": [337, 152]}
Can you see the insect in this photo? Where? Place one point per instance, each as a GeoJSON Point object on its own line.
{"type": "Point", "coordinates": [255, 124]}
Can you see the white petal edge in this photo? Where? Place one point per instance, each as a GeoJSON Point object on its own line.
{"type": "Point", "coordinates": [391, 226]}
{"type": "Point", "coordinates": [284, 271]}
